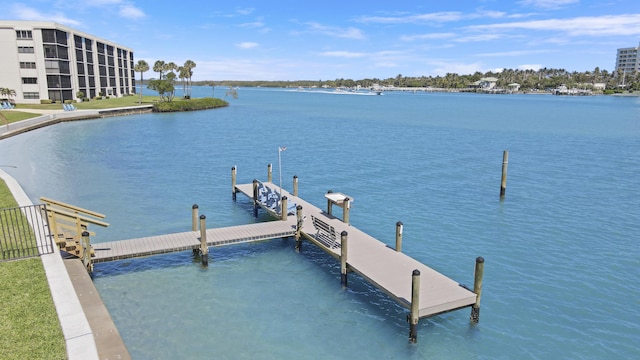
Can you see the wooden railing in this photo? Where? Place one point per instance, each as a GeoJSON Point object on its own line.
{"type": "Point", "coordinates": [69, 228]}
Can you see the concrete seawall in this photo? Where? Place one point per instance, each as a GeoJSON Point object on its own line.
{"type": "Point", "coordinates": [56, 116]}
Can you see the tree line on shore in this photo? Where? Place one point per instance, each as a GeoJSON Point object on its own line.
{"type": "Point", "coordinates": [541, 79]}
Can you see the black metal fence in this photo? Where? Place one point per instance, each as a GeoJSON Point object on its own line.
{"type": "Point", "coordinates": [24, 232]}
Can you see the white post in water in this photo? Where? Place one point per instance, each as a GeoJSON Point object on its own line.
{"type": "Point", "coordinates": [280, 149]}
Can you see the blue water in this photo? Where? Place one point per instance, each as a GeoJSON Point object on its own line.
{"type": "Point", "coordinates": [562, 254]}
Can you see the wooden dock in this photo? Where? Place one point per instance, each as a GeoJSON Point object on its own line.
{"type": "Point", "coordinates": [382, 266]}
{"type": "Point", "coordinates": [413, 285]}
{"type": "Point", "coordinates": [162, 244]}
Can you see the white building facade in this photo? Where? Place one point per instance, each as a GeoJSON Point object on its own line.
{"type": "Point", "coordinates": [48, 61]}
{"type": "Point", "coordinates": [628, 60]}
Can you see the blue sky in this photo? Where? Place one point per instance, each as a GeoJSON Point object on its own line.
{"type": "Point", "coordinates": [326, 40]}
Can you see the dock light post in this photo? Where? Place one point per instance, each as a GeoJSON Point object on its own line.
{"type": "Point", "coordinates": [280, 149]}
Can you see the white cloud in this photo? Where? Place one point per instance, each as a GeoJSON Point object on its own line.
{"type": "Point", "coordinates": [513, 53]}
{"type": "Point", "coordinates": [344, 54]}
{"type": "Point", "coordinates": [615, 25]}
{"type": "Point", "coordinates": [429, 36]}
{"type": "Point", "coordinates": [131, 12]}
{"type": "Point", "coordinates": [246, 45]}
{"type": "Point", "coordinates": [548, 4]}
{"type": "Point", "coordinates": [22, 12]}
{"type": "Point", "coordinates": [534, 67]}
{"type": "Point", "coordinates": [245, 11]}
{"type": "Point", "coordinates": [444, 67]}
{"type": "Point", "coordinates": [445, 16]}
{"type": "Point", "coordinates": [335, 31]}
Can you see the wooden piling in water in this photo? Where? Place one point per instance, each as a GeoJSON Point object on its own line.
{"type": "Point", "coordinates": [343, 258]}
{"type": "Point", "coordinates": [329, 203]}
{"type": "Point", "coordinates": [86, 252]}
{"type": "Point", "coordinates": [414, 317]}
{"type": "Point", "coordinates": [346, 207]}
{"type": "Point", "coordinates": [204, 249]}
{"type": "Point", "coordinates": [194, 217]}
{"type": "Point", "coordinates": [255, 197]}
{"type": "Point", "coordinates": [503, 183]}
{"type": "Point", "coordinates": [299, 221]}
{"type": "Point", "coordinates": [270, 173]}
{"type": "Point", "coordinates": [295, 185]}
{"type": "Point", "coordinates": [399, 228]}
{"type": "Point", "coordinates": [233, 183]}
{"type": "Point", "coordinates": [477, 289]}
{"type": "Point", "coordinates": [283, 208]}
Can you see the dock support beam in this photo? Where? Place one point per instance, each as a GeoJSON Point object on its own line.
{"type": "Point", "coordinates": [86, 252]}
{"type": "Point", "coordinates": [269, 173]}
{"type": "Point", "coordinates": [399, 228]}
{"type": "Point", "coordinates": [415, 306]}
{"type": "Point", "coordinates": [346, 206]}
{"type": "Point", "coordinates": [255, 197]}
{"type": "Point", "coordinates": [329, 203]}
{"type": "Point", "coordinates": [503, 183]}
{"type": "Point", "coordinates": [233, 183]}
{"type": "Point", "coordinates": [299, 221]}
{"type": "Point", "coordinates": [194, 217]}
{"type": "Point", "coordinates": [283, 208]}
{"type": "Point", "coordinates": [204, 249]}
{"type": "Point", "coordinates": [343, 258]}
{"type": "Point", "coordinates": [477, 289]}
{"type": "Point", "coordinates": [295, 185]}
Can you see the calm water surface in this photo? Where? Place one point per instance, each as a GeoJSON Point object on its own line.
{"type": "Point", "coordinates": [561, 251]}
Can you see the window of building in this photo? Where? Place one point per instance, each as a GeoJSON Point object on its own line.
{"type": "Point", "coordinates": [29, 80]}
{"type": "Point", "coordinates": [78, 41]}
{"type": "Point", "coordinates": [25, 49]}
{"type": "Point", "coordinates": [89, 57]}
{"type": "Point", "coordinates": [79, 54]}
{"type": "Point", "coordinates": [27, 65]}
{"type": "Point", "coordinates": [80, 67]}
{"type": "Point", "coordinates": [100, 47]}
{"type": "Point", "coordinates": [31, 95]}
{"type": "Point", "coordinates": [49, 36]}
{"type": "Point", "coordinates": [24, 34]}
{"type": "Point", "coordinates": [61, 37]}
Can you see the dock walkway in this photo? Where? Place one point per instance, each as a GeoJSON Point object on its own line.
{"type": "Point", "coordinates": [382, 266]}
{"type": "Point", "coordinates": [162, 244]}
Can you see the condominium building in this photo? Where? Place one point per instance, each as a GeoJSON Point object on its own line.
{"type": "Point", "coordinates": [48, 61]}
{"type": "Point", "coordinates": [628, 59]}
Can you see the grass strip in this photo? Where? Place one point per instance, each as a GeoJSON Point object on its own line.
{"type": "Point", "coordinates": [29, 325]}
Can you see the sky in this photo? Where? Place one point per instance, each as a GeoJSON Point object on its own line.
{"type": "Point", "coordinates": [328, 39]}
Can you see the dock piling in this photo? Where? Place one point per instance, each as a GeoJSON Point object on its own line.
{"type": "Point", "coordinates": [233, 183]}
{"type": "Point", "coordinates": [204, 249]}
{"type": "Point", "coordinates": [295, 185]}
{"type": "Point", "coordinates": [283, 208]}
{"type": "Point", "coordinates": [477, 289]}
{"type": "Point", "coordinates": [343, 258]}
{"type": "Point", "coordinates": [299, 221]}
{"type": "Point", "coordinates": [86, 252]}
{"type": "Point", "coordinates": [255, 197]}
{"type": "Point", "coordinates": [194, 217]}
{"type": "Point", "coordinates": [346, 206]}
{"type": "Point", "coordinates": [269, 173]}
{"type": "Point", "coordinates": [329, 203]}
{"type": "Point", "coordinates": [503, 183]}
{"type": "Point", "coordinates": [399, 228]}
{"type": "Point", "coordinates": [415, 306]}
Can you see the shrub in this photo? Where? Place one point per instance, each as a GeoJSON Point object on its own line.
{"type": "Point", "coordinates": [189, 105]}
{"type": "Point", "coordinates": [46, 101]}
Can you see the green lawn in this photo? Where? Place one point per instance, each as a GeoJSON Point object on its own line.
{"type": "Point", "coordinates": [29, 325]}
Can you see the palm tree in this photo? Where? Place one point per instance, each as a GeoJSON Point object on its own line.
{"type": "Point", "coordinates": [189, 65]}
{"type": "Point", "coordinates": [159, 68]}
{"type": "Point", "coordinates": [141, 67]}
